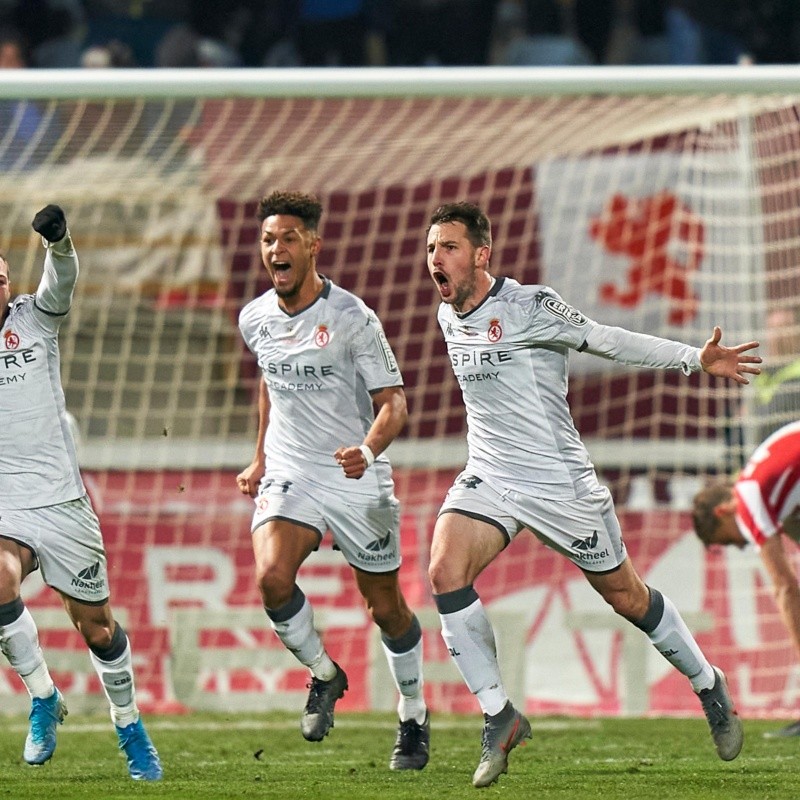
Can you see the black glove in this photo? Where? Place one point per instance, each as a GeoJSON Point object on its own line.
{"type": "Point", "coordinates": [51, 223]}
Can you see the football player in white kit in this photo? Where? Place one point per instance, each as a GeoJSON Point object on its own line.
{"type": "Point", "coordinates": [46, 518]}
{"type": "Point", "coordinates": [528, 468]}
{"type": "Point", "coordinates": [758, 506]}
{"type": "Point", "coordinates": [319, 465]}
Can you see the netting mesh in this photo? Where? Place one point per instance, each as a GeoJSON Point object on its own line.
{"type": "Point", "coordinates": [661, 213]}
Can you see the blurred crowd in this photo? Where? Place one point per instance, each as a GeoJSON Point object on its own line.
{"type": "Point", "coordinates": [288, 33]}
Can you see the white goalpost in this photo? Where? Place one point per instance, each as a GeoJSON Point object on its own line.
{"type": "Point", "coordinates": [661, 199]}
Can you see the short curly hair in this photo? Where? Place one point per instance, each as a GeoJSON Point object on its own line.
{"type": "Point", "coordinates": [705, 501]}
{"type": "Point", "coordinates": [297, 204]}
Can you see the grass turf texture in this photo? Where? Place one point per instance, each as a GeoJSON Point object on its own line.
{"type": "Point", "coordinates": [231, 756]}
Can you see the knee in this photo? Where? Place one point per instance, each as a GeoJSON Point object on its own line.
{"type": "Point", "coordinates": [390, 614]}
{"type": "Point", "coordinates": [97, 636]}
{"type": "Point", "coordinates": [443, 578]}
{"type": "Point", "coordinates": [275, 584]}
{"type": "Point", "coordinates": [628, 603]}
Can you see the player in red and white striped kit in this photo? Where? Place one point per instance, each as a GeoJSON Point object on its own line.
{"type": "Point", "coordinates": [758, 506]}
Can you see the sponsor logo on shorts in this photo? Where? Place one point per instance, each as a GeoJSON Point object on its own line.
{"type": "Point", "coordinates": [87, 579]}
{"type": "Point", "coordinates": [380, 544]}
{"type": "Point", "coordinates": [585, 549]}
{"type": "Point", "coordinates": [378, 552]}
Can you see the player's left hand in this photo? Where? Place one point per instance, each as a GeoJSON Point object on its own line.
{"type": "Point", "coordinates": [352, 461]}
{"type": "Point", "coordinates": [728, 362]}
{"type": "Point", "coordinates": [50, 223]}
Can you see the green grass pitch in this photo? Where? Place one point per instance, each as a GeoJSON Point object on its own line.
{"type": "Point", "coordinates": [264, 756]}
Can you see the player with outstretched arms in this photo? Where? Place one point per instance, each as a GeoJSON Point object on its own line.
{"type": "Point", "coordinates": [319, 464]}
{"type": "Point", "coordinates": [527, 468]}
{"type": "Point", "coordinates": [46, 518]}
{"type": "Point", "coordinates": [761, 508]}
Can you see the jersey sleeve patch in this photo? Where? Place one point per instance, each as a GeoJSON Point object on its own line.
{"type": "Point", "coordinates": [388, 356]}
{"type": "Point", "coordinates": [558, 308]}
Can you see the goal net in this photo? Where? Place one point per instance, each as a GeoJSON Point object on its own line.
{"type": "Point", "coordinates": [664, 201]}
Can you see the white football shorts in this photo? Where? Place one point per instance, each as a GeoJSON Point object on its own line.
{"type": "Point", "coordinates": [68, 546]}
{"type": "Point", "coordinates": [368, 534]}
{"type": "Point", "coordinates": [586, 531]}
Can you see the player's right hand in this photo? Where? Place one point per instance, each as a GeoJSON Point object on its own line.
{"type": "Point", "coordinates": [50, 223]}
{"type": "Point", "coordinates": [248, 479]}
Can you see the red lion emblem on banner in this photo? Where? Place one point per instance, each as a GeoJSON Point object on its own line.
{"type": "Point", "coordinates": [643, 229]}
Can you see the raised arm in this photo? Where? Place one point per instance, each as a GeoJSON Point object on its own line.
{"type": "Point", "coordinates": [249, 478]}
{"type": "Point", "coordinates": [389, 421]}
{"type": "Point", "coordinates": [54, 295]}
{"type": "Point", "coordinates": [728, 362]}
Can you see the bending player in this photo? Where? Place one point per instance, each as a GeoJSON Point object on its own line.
{"type": "Point", "coordinates": [319, 465]}
{"type": "Point", "coordinates": [761, 507]}
{"type": "Point", "coordinates": [46, 518]}
{"type": "Point", "coordinates": [527, 468]}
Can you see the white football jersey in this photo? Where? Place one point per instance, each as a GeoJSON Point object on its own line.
{"type": "Point", "coordinates": [510, 356]}
{"type": "Point", "coordinates": [38, 461]}
{"type": "Point", "coordinates": [319, 366]}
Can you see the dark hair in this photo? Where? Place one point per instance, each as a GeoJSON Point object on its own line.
{"type": "Point", "coordinates": [296, 204]}
{"type": "Point", "coordinates": [479, 230]}
{"type": "Point", "coordinates": [705, 501]}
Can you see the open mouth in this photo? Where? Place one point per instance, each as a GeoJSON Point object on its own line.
{"type": "Point", "coordinates": [281, 266]}
{"type": "Point", "coordinates": [442, 282]}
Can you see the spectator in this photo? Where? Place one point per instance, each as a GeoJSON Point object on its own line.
{"type": "Point", "coordinates": [707, 31]}
{"type": "Point", "coordinates": [28, 132]}
{"type": "Point", "coordinates": [622, 31]}
{"type": "Point", "coordinates": [542, 40]}
{"type": "Point", "coordinates": [114, 54]}
{"type": "Point", "coordinates": [14, 51]}
{"type": "Point", "coordinates": [341, 33]}
{"type": "Point", "coordinates": [183, 46]}
{"type": "Point", "coordinates": [54, 29]}
{"type": "Point", "coordinates": [440, 32]}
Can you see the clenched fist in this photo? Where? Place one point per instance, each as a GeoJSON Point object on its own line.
{"type": "Point", "coordinates": [51, 223]}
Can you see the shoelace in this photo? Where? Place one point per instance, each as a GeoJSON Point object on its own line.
{"type": "Point", "coordinates": [715, 713]}
{"type": "Point", "coordinates": [317, 688]}
{"type": "Point", "coordinates": [486, 744]}
{"type": "Point", "coordinates": [410, 733]}
{"type": "Point", "coordinates": [40, 717]}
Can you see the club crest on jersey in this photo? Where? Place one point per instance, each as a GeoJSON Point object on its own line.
{"type": "Point", "coordinates": [321, 336]}
{"type": "Point", "coordinates": [558, 308]}
{"type": "Point", "coordinates": [495, 332]}
{"type": "Point", "coordinates": [11, 340]}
